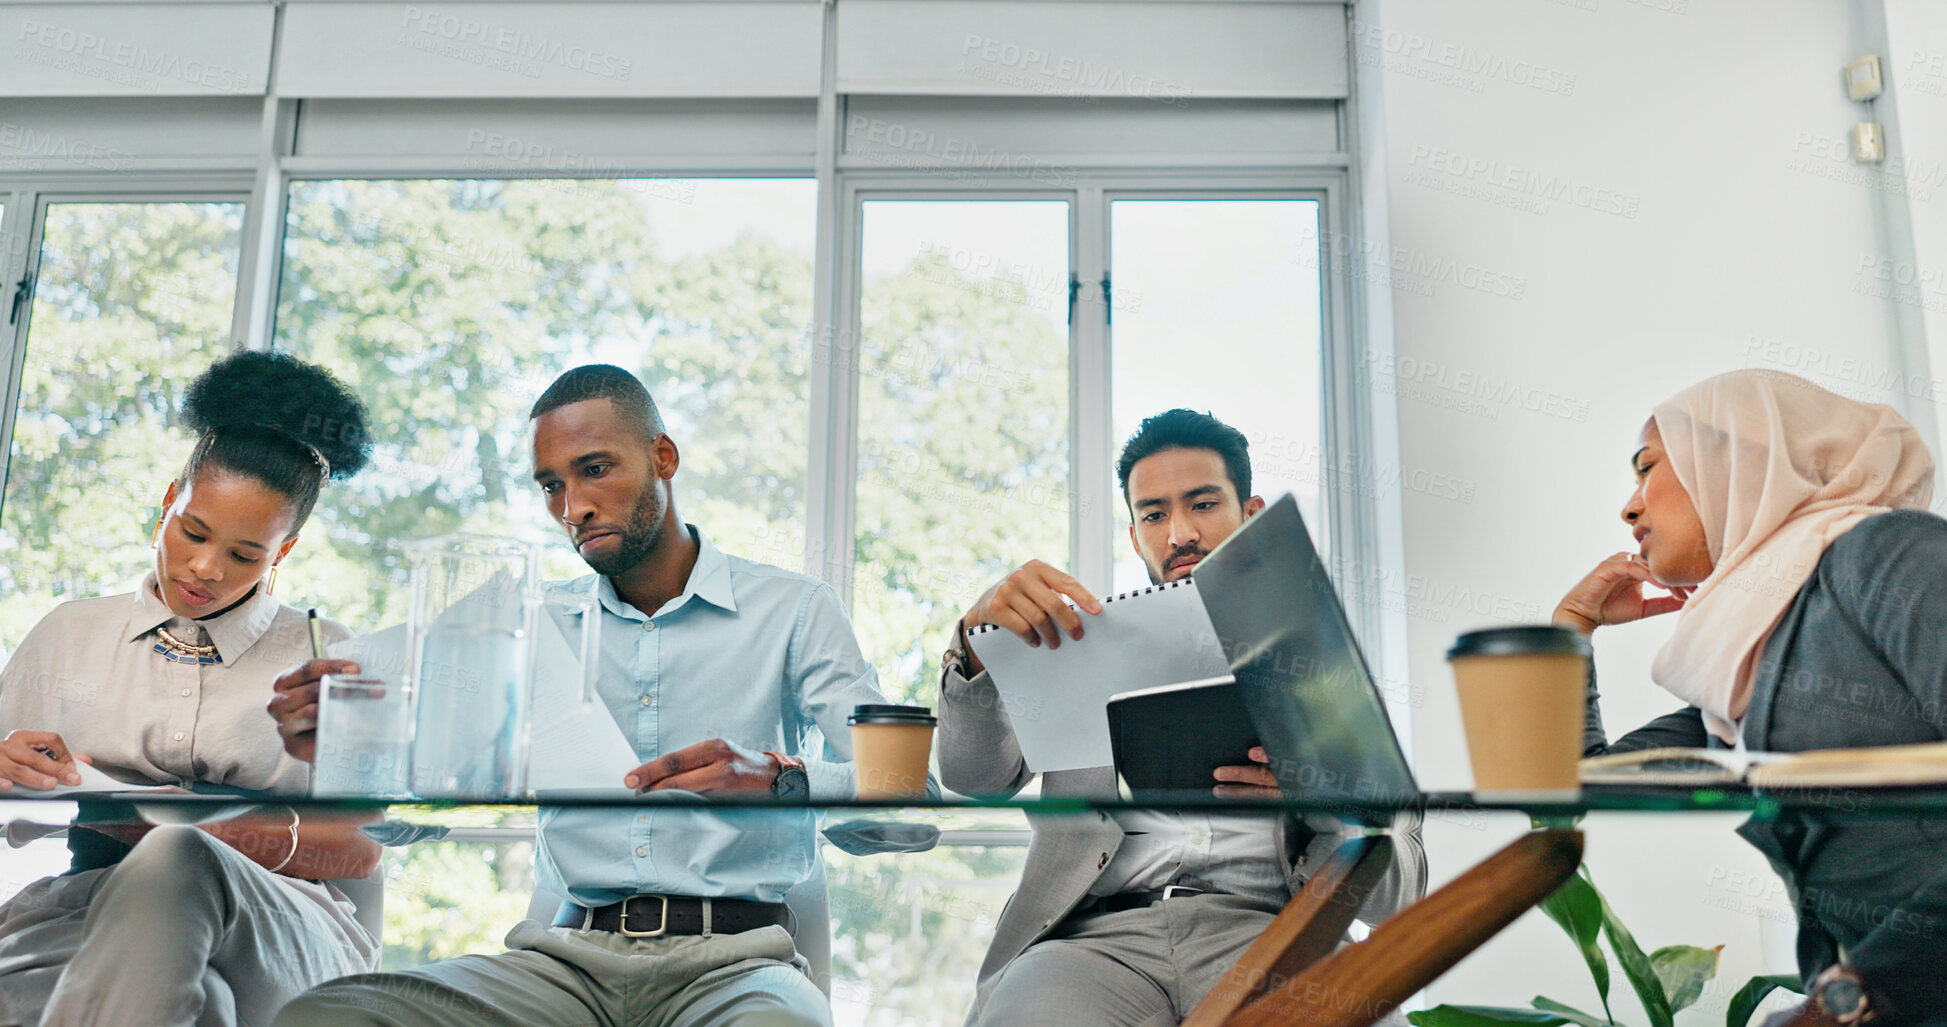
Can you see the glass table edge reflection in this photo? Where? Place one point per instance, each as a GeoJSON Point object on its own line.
{"type": "Point", "coordinates": [1849, 801]}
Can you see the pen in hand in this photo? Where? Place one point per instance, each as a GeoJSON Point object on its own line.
{"type": "Point", "coordinates": [72, 777]}
{"type": "Point", "coordinates": [317, 636]}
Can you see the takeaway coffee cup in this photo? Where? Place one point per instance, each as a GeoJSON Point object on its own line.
{"type": "Point", "coordinates": [890, 745]}
{"type": "Point", "coordinates": [1522, 695]}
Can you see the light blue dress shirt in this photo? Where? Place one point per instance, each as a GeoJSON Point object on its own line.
{"type": "Point", "coordinates": [756, 655]}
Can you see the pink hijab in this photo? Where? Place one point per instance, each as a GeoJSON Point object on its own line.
{"type": "Point", "coordinates": [1778, 468]}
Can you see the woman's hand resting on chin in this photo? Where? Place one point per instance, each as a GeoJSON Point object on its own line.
{"type": "Point", "coordinates": [1613, 594]}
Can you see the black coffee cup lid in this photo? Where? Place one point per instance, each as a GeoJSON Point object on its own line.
{"type": "Point", "coordinates": [1522, 640]}
{"type": "Point", "coordinates": [883, 713]}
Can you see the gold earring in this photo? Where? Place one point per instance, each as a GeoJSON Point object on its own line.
{"type": "Point", "coordinates": [270, 588]}
{"type": "Point", "coordinates": [155, 537]}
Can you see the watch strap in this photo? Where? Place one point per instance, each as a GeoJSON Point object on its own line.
{"type": "Point", "coordinates": [1842, 996]}
{"type": "Point", "coordinates": [955, 657]}
{"type": "Point", "coordinates": [789, 767]}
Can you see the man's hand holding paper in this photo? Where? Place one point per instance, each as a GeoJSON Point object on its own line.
{"type": "Point", "coordinates": [1030, 603]}
{"type": "Point", "coordinates": [1057, 696]}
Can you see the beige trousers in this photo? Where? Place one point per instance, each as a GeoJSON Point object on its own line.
{"type": "Point", "coordinates": [563, 977]}
{"type": "Point", "coordinates": [183, 931]}
{"type": "Point", "coordinates": [1137, 968]}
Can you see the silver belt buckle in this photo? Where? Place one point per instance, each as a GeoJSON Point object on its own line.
{"type": "Point", "coordinates": [661, 927]}
{"type": "Point", "coordinates": [1170, 891]}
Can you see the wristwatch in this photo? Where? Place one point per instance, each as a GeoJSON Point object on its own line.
{"type": "Point", "coordinates": [791, 783]}
{"type": "Point", "coordinates": [955, 658]}
{"type": "Point", "coordinates": [1842, 995]}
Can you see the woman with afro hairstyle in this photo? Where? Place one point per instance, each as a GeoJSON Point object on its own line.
{"type": "Point", "coordinates": [224, 922]}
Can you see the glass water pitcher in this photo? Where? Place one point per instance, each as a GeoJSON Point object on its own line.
{"type": "Point", "coordinates": [483, 633]}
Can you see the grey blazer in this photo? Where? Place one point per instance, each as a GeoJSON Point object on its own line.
{"type": "Point", "coordinates": [980, 756]}
{"type": "Point", "coordinates": [1859, 659]}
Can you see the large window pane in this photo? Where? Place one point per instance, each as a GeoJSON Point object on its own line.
{"type": "Point", "coordinates": [457, 897]}
{"type": "Point", "coordinates": [963, 417]}
{"type": "Point", "coordinates": [909, 931]}
{"type": "Point", "coordinates": [1211, 313]}
{"type": "Point", "coordinates": [133, 300]}
{"type": "Point", "coordinates": [450, 305]}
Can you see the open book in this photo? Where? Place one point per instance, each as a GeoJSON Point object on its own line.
{"type": "Point", "coordinates": [1887, 765]}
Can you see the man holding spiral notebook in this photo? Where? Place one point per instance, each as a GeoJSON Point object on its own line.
{"type": "Point", "coordinates": [1128, 919]}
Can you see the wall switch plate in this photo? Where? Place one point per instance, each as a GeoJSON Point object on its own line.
{"type": "Point", "coordinates": [1868, 144]}
{"type": "Point", "coordinates": [1862, 78]}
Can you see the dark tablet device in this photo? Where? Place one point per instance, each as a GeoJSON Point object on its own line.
{"type": "Point", "coordinates": [1168, 740]}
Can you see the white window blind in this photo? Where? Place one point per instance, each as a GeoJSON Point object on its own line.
{"type": "Point", "coordinates": [173, 49]}
{"type": "Point", "coordinates": [723, 49]}
{"type": "Point", "coordinates": [588, 137]}
{"type": "Point", "coordinates": [1150, 51]}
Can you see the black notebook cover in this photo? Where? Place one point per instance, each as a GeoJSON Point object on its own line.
{"type": "Point", "coordinates": [1172, 739]}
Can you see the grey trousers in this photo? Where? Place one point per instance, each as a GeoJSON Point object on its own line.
{"type": "Point", "coordinates": [1137, 968]}
{"type": "Point", "coordinates": [560, 977]}
{"type": "Point", "coordinates": [184, 931]}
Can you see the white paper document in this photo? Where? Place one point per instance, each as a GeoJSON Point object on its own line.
{"type": "Point", "coordinates": [381, 654]}
{"type": "Point", "coordinates": [93, 782]}
{"type": "Point", "coordinates": [578, 749]}
{"type": "Point", "coordinates": [1057, 699]}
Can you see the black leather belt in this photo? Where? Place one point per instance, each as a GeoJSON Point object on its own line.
{"type": "Point", "coordinates": [652, 916]}
{"type": "Point", "coordinates": [1125, 901]}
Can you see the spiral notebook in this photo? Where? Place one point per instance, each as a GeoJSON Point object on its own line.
{"type": "Point", "coordinates": [1057, 699]}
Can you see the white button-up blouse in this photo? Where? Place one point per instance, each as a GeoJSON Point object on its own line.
{"type": "Point", "coordinates": [90, 671]}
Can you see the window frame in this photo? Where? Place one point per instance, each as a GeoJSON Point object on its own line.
{"type": "Point", "coordinates": [1351, 518]}
{"type": "Point", "coordinates": [265, 307]}
{"type": "Point", "coordinates": [1320, 164]}
{"type": "Point", "coordinates": [832, 476]}
{"type": "Point", "coordinates": [1362, 528]}
{"type": "Point", "coordinates": [1350, 515]}
{"type": "Point", "coordinates": [21, 236]}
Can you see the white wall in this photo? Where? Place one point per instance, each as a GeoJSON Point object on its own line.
{"type": "Point", "coordinates": [1916, 67]}
{"type": "Point", "coordinates": [1691, 239]}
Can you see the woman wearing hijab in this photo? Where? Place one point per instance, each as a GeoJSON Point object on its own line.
{"type": "Point", "coordinates": [1788, 526]}
{"type": "Point", "coordinates": [166, 685]}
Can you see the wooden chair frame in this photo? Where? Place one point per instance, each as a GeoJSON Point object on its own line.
{"type": "Point", "coordinates": [1297, 973]}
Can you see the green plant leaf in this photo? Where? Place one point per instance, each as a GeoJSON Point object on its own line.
{"type": "Point", "coordinates": [1571, 1013]}
{"type": "Point", "coordinates": [1479, 1016]}
{"type": "Point", "coordinates": [1577, 907]}
{"type": "Point", "coordinates": [1636, 966]}
{"type": "Point", "coordinates": [1747, 999]}
{"type": "Point", "coordinates": [1684, 969]}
